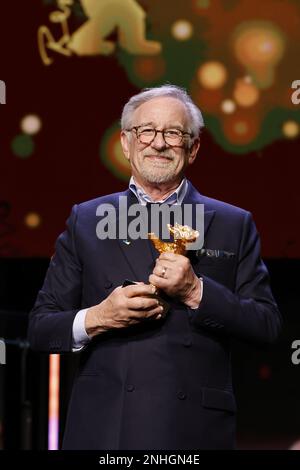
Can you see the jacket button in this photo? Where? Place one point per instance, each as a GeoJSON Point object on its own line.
{"type": "Point", "coordinates": [108, 284]}
{"type": "Point", "coordinates": [187, 342]}
{"type": "Point", "coordinates": [129, 388]}
{"type": "Point", "coordinates": [181, 395]}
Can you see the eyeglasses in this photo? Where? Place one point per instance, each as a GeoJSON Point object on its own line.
{"type": "Point", "coordinates": [146, 135]}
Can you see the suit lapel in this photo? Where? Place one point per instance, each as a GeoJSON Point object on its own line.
{"type": "Point", "coordinates": [194, 197]}
{"type": "Point", "coordinates": [139, 258]}
{"type": "Point", "coordinates": [208, 217]}
{"type": "Point", "coordinates": [138, 253]}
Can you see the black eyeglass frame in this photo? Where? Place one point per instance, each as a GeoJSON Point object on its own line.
{"type": "Point", "coordinates": [135, 128]}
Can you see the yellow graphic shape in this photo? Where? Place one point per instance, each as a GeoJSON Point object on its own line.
{"type": "Point", "coordinates": [46, 40]}
{"type": "Point", "coordinates": [259, 46]}
{"type": "Point", "coordinates": [107, 16]}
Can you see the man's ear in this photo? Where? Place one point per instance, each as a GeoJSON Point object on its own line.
{"type": "Point", "coordinates": [125, 144]}
{"type": "Point", "coordinates": [194, 150]}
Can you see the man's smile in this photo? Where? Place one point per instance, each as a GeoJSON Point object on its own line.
{"type": "Point", "coordinates": [160, 158]}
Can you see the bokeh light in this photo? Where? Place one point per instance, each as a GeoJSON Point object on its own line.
{"type": "Point", "coordinates": [112, 155]}
{"type": "Point", "coordinates": [201, 4]}
{"type": "Point", "coordinates": [212, 75]}
{"type": "Point", "coordinates": [265, 372]}
{"type": "Point", "coordinates": [240, 127]}
{"type": "Point", "coordinates": [228, 106]}
{"type": "Point", "coordinates": [245, 93]}
{"type": "Point", "coordinates": [259, 46]}
{"type": "Point", "coordinates": [31, 124]}
{"type": "Point", "coordinates": [182, 30]}
{"type": "Point", "coordinates": [291, 129]}
{"type": "Point", "coordinates": [32, 220]}
{"type": "Point", "coordinates": [149, 68]}
{"type": "Point", "coordinates": [22, 146]}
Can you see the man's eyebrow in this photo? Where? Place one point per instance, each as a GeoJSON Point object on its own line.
{"type": "Point", "coordinates": [176, 126]}
{"type": "Point", "coordinates": [170, 126]}
{"type": "Point", "coordinates": [143, 124]}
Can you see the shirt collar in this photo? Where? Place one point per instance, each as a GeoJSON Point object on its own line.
{"type": "Point", "coordinates": [175, 198]}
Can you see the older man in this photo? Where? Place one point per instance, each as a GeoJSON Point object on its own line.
{"type": "Point", "coordinates": [153, 377]}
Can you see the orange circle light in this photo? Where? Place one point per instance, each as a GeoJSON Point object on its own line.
{"type": "Point", "coordinates": [241, 128]}
{"type": "Point", "coordinates": [245, 94]}
{"type": "Point", "coordinates": [32, 220]}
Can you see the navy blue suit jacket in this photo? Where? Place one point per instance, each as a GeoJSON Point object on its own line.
{"type": "Point", "coordinates": [162, 384]}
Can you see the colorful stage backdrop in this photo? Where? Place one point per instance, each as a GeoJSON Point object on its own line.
{"type": "Point", "coordinates": [68, 66]}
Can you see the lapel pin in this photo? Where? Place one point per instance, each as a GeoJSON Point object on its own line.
{"type": "Point", "coordinates": [127, 242]}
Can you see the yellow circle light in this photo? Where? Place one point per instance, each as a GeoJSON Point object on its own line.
{"type": "Point", "coordinates": [291, 129]}
{"type": "Point", "coordinates": [182, 30]}
{"type": "Point", "coordinates": [228, 106]}
{"type": "Point", "coordinates": [32, 220]}
{"type": "Point", "coordinates": [31, 124]}
{"type": "Point", "coordinates": [212, 75]}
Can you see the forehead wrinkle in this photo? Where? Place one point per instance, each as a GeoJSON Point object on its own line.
{"type": "Point", "coordinates": [163, 111]}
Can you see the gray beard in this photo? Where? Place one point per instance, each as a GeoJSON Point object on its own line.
{"type": "Point", "coordinates": [154, 176]}
{"type": "Point", "coordinates": [159, 173]}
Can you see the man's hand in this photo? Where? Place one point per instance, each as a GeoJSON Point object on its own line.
{"type": "Point", "coordinates": [125, 306]}
{"type": "Point", "coordinates": [175, 276]}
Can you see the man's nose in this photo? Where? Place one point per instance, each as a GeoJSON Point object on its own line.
{"type": "Point", "coordinates": [158, 142]}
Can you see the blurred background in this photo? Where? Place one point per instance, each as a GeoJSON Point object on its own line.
{"type": "Point", "coordinates": [67, 67]}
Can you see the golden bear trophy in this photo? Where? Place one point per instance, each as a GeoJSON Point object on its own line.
{"type": "Point", "coordinates": [182, 234]}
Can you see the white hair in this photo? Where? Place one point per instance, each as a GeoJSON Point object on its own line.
{"type": "Point", "coordinates": [173, 91]}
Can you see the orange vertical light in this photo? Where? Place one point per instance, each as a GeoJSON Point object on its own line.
{"type": "Point", "coordinates": [53, 407]}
